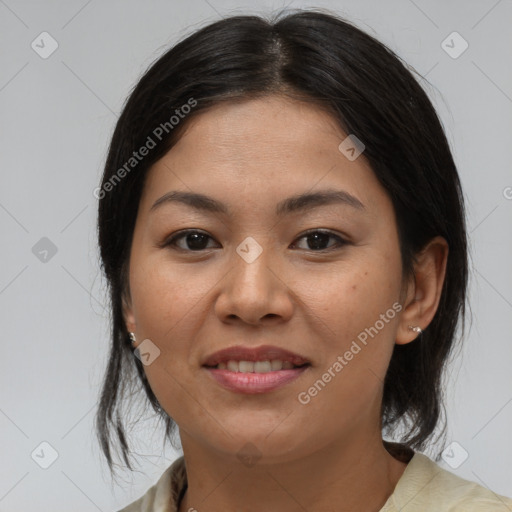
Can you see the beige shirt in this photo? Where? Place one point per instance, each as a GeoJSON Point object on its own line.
{"type": "Point", "coordinates": [423, 487]}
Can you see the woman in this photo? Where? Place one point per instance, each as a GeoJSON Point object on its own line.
{"type": "Point", "coordinates": [282, 227]}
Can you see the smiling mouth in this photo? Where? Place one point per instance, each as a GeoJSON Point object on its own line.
{"type": "Point", "coordinates": [255, 377]}
{"type": "Point", "coordinates": [265, 366]}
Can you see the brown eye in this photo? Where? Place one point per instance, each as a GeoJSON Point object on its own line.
{"type": "Point", "coordinates": [318, 239]}
{"type": "Point", "coordinates": [193, 240]}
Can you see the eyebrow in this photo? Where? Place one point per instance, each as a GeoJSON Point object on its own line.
{"type": "Point", "coordinates": [293, 204]}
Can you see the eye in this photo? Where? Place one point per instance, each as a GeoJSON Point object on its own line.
{"type": "Point", "coordinates": [194, 238]}
{"type": "Point", "coordinates": [318, 238]}
{"type": "Point", "coordinates": [197, 240]}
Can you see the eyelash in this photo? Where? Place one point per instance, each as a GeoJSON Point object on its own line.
{"type": "Point", "coordinates": [171, 242]}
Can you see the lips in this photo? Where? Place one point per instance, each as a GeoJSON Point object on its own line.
{"type": "Point", "coordinates": [255, 383]}
{"type": "Point", "coordinates": [262, 353]}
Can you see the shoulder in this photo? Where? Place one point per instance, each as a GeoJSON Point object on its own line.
{"type": "Point", "coordinates": [163, 496]}
{"type": "Point", "coordinates": [426, 486]}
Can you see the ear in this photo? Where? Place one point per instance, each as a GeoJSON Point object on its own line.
{"type": "Point", "coordinates": [129, 317]}
{"type": "Point", "coordinates": [424, 289]}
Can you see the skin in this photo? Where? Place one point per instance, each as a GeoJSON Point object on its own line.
{"type": "Point", "coordinates": [328, 454]}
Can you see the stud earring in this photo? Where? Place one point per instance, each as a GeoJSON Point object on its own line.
{"type": "Point", "coordinates": [132, 337]}
{"type": "Point", "coordinates": [415, 329]}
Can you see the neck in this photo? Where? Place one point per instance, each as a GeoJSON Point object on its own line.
{"type": "Point", "coordinates": [345, 476]}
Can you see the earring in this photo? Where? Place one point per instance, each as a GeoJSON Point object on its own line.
{"type": "Point", "coordinates": [415, 329]}
{"type": "Point", "coordinates": [132, 337]}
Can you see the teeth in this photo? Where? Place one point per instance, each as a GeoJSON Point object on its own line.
{"type": "Point", "coordinates": [255, 366]}
{"type": "Point", "coordinates": [276, 365]}
{"type": "Point", "coordinates": [262, 366]}
{"type": "Point", "coordinates": [245, 366]}
{"type": "Point", "coordinates": [233, 366]}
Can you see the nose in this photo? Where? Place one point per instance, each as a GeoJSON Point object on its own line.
{"type": "Point", "coordinates": [255, 291]}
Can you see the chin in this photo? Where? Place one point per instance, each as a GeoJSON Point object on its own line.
{"type": "Point", "coordinates": [262, 444]}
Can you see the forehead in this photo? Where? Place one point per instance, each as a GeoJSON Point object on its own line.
{"type": "Point", "coordinates": [266, 126]}
{"type": "Point", "coordinates": [261, 150]}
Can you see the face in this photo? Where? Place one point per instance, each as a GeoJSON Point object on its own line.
{"type": "Point", "coordinates": [321, 278]}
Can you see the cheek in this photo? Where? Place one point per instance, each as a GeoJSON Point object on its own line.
{"type": "Point", "coordinates": [361, 311]}
{"type": "Point", "coordinates": [169, 304]}
{"type": "Point", "coordinates": [352, 297]}
{"type": "Point", "coordinates": [164, 294]}
{"type": "Point", "coordinates": [359, 305]}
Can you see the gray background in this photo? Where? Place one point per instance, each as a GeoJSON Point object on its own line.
{"type": "Point", "coordinates": [57, 115]}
